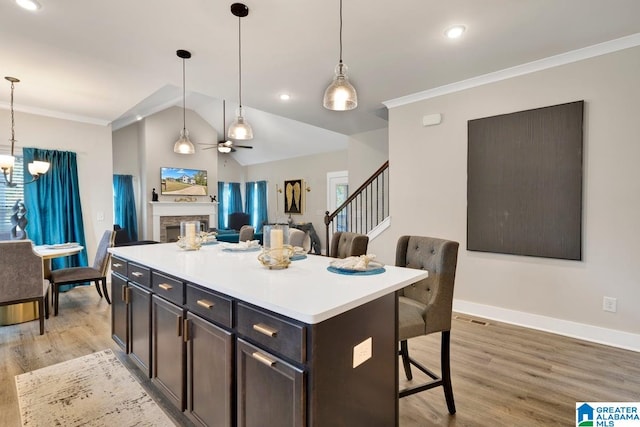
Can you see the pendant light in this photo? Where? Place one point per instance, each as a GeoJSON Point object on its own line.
{"type": "Point", "coordinates": [340, 95]}
{"type": "Point", "coordinates": [183, 145]}
{"type": "Point", "coordinates": [240, 129]}
{"type": "Point", "coordinates": [7, 161]}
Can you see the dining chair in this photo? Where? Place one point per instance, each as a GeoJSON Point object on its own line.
{"type": "Point", "coordinates": [345, 244]}
{"type": "Point", "coordinates": [246, 233]}
{"type": "Point", "coordinates": [97, 273]}
{"type": "Point", "coordinates": [300, 239]}
{"type": "Point", "coordinates": [425, 307]}
{"type": "Point", "coordinates": [22, 279]}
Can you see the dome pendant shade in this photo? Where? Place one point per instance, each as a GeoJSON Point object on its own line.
{"type": "Point", "coordinates": [239, 129]}
{"type": "Point", "coordinates": [340, 95]}
{"type": "Point", "coordinates": [183, 145]}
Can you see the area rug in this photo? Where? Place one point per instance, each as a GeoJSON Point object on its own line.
{"type": "Point", "coordinates": [93, 390]}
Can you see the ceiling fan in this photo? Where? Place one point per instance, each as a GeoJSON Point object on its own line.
{"type": "Point", "coordinates": [226, 145]}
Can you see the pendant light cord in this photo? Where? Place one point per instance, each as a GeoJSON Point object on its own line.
{"type": "Point", "coordinates": [184, 113]}
{"type": "Point", "coordinates": [239, 65]}
{"type": "Point", "coordinates": [13, 134]}
{"type": "Point", "coordinates": [340, 31]}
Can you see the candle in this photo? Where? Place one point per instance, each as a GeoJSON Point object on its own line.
{"type": "Point", "coordinates": [277, 240]}
{"type": "Point", "coordinates": [190, 231]}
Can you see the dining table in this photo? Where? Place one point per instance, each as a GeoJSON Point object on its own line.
{"type": "Point", "coordinates": [27, 311]}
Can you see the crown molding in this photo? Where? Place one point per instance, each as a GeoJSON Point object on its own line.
{"type": "Point", "coordinates": [519, 70]}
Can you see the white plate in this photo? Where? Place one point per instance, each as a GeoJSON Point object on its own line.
{"type": "Point", "coordinates": [372, 266]}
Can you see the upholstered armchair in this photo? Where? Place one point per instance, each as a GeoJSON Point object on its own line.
{"type": "Point", "coordinates": [425, 307]}
{"type": "Point", "coordinates": [238, 219]}
{"type": "Point", "coordinates": [345, 244]}
{"type": "Point", "coordinates": [22, 278]}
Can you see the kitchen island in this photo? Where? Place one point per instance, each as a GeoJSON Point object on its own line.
{"type": "Point", "coordinates": [234, 343]}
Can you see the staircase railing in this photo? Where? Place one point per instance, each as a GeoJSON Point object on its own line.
{"type": "Point", "coordinates": [364, 209]}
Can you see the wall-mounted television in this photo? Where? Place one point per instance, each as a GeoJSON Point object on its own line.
{"type": "Point", "coordinates": [183, 182]}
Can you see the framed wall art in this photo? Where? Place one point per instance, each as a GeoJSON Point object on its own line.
{"type": "Point", "coordinates": [293, 196]}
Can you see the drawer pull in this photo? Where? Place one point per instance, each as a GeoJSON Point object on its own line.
{"type": "Point", "coordinates": [137, 274]}
{"type": "Point", "coordinates": [264, 329]}
{"type": "Point", "coordinates": [165, 286]}
{"type": "Point", "coordinates": [263, 359]}
{"type": "Point", "coordinates": [205, 303]}
{"type": "Point", "coordinates": [117, 265]}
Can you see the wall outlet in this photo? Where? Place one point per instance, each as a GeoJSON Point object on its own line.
{"type": "Point", "coordinates": [609, 304]}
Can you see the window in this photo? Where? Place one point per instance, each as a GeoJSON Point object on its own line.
{"type": "Point", "coordinates": [10, 195]}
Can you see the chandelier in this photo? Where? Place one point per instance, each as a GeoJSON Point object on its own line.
{"type": "Point", "coordinates": [7, 161]}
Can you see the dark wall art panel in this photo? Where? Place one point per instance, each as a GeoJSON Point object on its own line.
{"type": "Point", "coordinates": [524, 182]}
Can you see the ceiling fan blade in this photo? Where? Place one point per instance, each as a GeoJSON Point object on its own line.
{"type": "Point", "coordinates": [242, 146]}
{"type": "Point", "coordinates": [208, 145]}
{"type": "Point", "coordinates": [209, 148]}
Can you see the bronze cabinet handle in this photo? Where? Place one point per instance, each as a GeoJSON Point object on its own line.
{"type": "Point", "coordinates": [263, 359]}
{"type": "Point", "coordinates": [116, 264]}
{"type": "Point", "coordinates": [165, 286]}
{"type": "Point", "coordinates": [265, 330]}
{"type": "Point", "coordinates": [205, 303]}
{"type": "Point", "coordinates": [185, 335]}
{"type": "Point", "coordinates": [137, 274]}
{"type": "Point", "coordinates": [179, 323]}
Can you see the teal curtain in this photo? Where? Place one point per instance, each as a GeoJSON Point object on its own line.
{"type": "Point", "coordinates": [235, 198]}
{"type": "Point", "coordinates": [53, 204]}
{"type": "Point", "coordinates": [222, 207]}
{"type": "Point", "coordinates": [256, 203]}
{"type": "Point", "coordinates": [124, 205]}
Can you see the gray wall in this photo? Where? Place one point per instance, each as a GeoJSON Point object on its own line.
{"type": "Point", "coordinates": [92, 145]}
{"type": "Point", "coordinates": [428, 197]}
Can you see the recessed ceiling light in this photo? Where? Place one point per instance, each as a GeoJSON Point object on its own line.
{"type": "Point", "coordinates": [28, 4]}
{"type": "Point", "coordinates": [455, 31]}
{"type": "Point", "coordinates": [285, 97]}
{"type": "Point", "coordinates": [138, 117]}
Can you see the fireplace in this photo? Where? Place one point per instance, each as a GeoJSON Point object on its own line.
{"type": "Point", "coordinates": [171, 213]}
{"type": "Point", "coordinates": [170, 226]}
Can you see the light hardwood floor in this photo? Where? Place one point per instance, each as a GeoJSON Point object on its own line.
{"type": "Point", "coordinates": [502, 375]}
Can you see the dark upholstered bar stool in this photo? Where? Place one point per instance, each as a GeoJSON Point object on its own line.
{"type": "Point", "coordinates": [345, 244]}
{"type": "Point", "coordinates": [425, 307]}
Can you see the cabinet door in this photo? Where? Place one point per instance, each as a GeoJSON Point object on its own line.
{"type": "Point", "coordinates": [119, 331]}
{"type": "Point", "coordinates": [140, 327]}
{"type": "Point", "coordinates": [209, 373]}
{"type": "Point", "coordinates": [271, 392]}
{"type": "Point", "coordinates": [168, 350]}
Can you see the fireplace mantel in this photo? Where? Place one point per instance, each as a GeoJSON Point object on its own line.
{"type": "Point", "coordinates": [160, 209]}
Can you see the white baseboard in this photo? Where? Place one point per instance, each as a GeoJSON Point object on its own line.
{"type": "Point", "coordinates": [611, 337]}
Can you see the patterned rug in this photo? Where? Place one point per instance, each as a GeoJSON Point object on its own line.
{"type": "Point", "coordinates": [93, 390]}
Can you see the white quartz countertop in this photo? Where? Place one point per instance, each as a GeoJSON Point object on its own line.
{"type": "Point", "coordinates": [306, 291]}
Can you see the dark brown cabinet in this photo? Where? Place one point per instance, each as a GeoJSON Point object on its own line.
{"type": "Point", "coordinates": [168, 373]}
{"type": "Point", "coordinates": [271, 392]}
{"type": "Point", "coordinates": [210, 360]}
{"type": "Point", "coordinates": [139, 300]}
{"type": "Point", "coordinates": [226, 362]}
{"type": "Point", "coordinates": [119, 316]}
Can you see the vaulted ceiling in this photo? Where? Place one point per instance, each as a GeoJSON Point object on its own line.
{"type": "Point", "coordinates": [111, 61]}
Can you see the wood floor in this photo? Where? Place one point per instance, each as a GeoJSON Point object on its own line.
{"type": "Point", "coordinates": [502, 375]}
